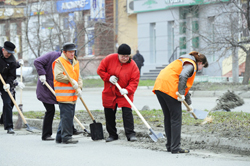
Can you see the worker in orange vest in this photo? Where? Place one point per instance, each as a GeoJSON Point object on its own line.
{"type": "Point", "coordinates": [178, 76]}
{"type": "Point", "coordinates": [66, 93]}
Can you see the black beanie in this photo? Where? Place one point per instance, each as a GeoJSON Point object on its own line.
{"type": "Point", "coordinates": [124, 49]}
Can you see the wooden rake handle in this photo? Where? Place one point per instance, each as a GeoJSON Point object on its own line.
{"type": "Point", "coordinates": [13, 100]}
{"type": "Point", "coordinates": [136, 110]}
{"type": "Point", "coordinates": [52, 91]}
{"type": "Point", "coordinates": [188, 108]}
{"type": "Point", "coordinates": [72, 85]}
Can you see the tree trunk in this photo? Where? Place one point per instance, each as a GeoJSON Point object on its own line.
{"type": "Point", "coordinates": [235, 67]}
{"type": "Point", "coordinates": [247, 69]}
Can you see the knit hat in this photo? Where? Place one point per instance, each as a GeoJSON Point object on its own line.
{"type": "Point", "coordinates": [124, 49]}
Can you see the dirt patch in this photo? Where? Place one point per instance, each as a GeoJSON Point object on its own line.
{"type": "Point", "coordinates": [195, 136]}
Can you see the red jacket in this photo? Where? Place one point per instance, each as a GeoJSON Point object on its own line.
{"type": "Point", "coordinates": [128, 77]}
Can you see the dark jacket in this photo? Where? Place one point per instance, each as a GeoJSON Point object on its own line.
{"type": "Point", "coordinates": [7, 69]}
{"type": "Point", "coordinates": [43, 66]}
{"type": "Point", "coordinates": [139, 60]}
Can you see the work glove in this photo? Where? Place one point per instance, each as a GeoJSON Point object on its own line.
{"type": "Point", "coordinates": [79, 92]}
{"type": "Point", "coordinates": [21, 85]}
{"type": "Point", "coordinates": [20, 61]}
{"type": "Point", "coordinates": [113, 79]}
{"type": "Point", "coordinates": [75, 84]}
{"type": "Point", "coordinates": [6, 87]}
{"type": "Point", "coordinates": [42, 78]}
{"type": "Point", "coordinates": [191, 109]}
{"type": "Point", "coordinates": [123, 91]}
{"type": "Point", "coordinates": [182, 98]}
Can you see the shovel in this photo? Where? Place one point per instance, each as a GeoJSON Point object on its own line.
{"type": "Point", "coordinates": [197, 114]}
{"type": "Point", "coordinates": [52, 91]}
{"type": "Point", "coordinates": [96, 129]}
{"type": "Point", "coordinates": [19, 111]}
{"type": "Point", "coordinates": [19, 121]}
{"type": "Point", "coordinates": [152, 134]}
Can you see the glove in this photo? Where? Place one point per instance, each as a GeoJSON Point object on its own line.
{"type": "Point", "coordinates": [79, 92]}
{"type": "Point", "coordinates": [75, 84]}
{"type": "Point", "coordinates": [191, 109]}
{"type": "Point", "coordinates": [42, 78]}
{"type": "Point", "coordinates": [6, 87]}
{"type": "Point", "coordinates": [182, 98]}
{"type": "Point", "coordinates": [20, 61]}
{"type": "Point", "coordinates": [21, 85]}
{"type": "Point", "coordinates": [123, 91]}
{"type": "Point", "coordinates": [113, 79]}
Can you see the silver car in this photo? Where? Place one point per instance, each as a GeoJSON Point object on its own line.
{"type": "Point", "coordinates": [28, 74]}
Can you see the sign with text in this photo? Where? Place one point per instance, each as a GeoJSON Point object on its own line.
{"type": "Point", "coordinates": [152, 5]}
{"type": "Point", "coordinates": [72, 5]}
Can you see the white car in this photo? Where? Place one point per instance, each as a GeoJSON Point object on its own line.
{"type": "Point", "coordinates": [28, 74]}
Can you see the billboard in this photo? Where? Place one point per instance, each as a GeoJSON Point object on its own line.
{"type": "Point", "coordinates": [6, 13]}
{"type": "Point", "coordinates": [97, 11]}
{"type": "Point", "coordinates": [72, 5]}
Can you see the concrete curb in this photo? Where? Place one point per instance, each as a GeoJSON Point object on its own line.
{"type": "Point", "coordinates": [243, 94]}
{"type": "Point", "coordinates": [208, 142]}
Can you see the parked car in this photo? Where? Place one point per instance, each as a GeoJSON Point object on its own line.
{"type": "Point", "coordinates": [28, 74]}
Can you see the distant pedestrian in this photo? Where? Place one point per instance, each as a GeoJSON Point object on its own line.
{"type": "Point", "coordinates": [178, 76]}
{"type": "Point", "coordinates": [139, 60]}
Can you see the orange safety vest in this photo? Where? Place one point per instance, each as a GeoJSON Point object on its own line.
{"type": "Point", "coordinates": [168, 79]}
{"type": "Point", "coordinates": [66, 92]}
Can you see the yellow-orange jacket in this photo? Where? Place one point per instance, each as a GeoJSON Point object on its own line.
{"type": "Point", "coordinates": [64, 91]}
{"type": "Point", "coordinates": [168, 79]}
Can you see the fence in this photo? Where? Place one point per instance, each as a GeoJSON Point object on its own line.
{"type": "Point", "coordinates": [215, 79]}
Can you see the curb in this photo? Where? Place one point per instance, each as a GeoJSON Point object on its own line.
{"type": "Point", "coordinates": [243, 94]}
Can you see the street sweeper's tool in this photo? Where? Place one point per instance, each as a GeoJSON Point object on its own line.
{"type": "Point", "coordinates": [152, 134]}
{"type": "Point", "coordinates": [96, 129]}
{"type": "Point", "coordinates": [18, 109]}
{"type": "Point", "coordinates": [19, 121]}
{"type": "Point", "coordinates": [197, 114]}
{"type": "Point", "coordinates": [52, 91]}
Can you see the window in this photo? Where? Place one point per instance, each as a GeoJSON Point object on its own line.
{"type": "Point", "coordinates": [2, 30]}
{"type": "Point", "coordinates": [211, 36]}
{"type": "Point", "coordinates": [13, 29]}
{"type": "Point", "coordinates": [171, 40]}
{"type": "Point", "coordinates": [183, 27]}
{"type": "Point", "coordinates": [152, 43]}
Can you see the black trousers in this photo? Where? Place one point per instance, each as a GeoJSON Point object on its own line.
{"type": "Point", "coordinates": [7, 110]}
{"type": "Point", "coordinates": [48, 120]}
{"type": "Point", "coordinates": [128, 121]}
{"type": "Point", "coordinates": [172, 120]}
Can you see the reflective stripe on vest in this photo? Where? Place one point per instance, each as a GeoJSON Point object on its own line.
{"type": "Point", "coordinates": [65, 92]}
{"type": "Point", "coordinates": [168, 79]}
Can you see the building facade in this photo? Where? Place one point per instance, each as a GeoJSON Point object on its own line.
{"type": "Point", "coordinates": [168, 29]}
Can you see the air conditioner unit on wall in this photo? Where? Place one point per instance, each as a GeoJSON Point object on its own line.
{"type": "Point", "coordinates": [130, 7]}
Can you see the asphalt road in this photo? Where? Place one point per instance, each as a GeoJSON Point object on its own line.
{"type": "Point", "coordinates": [25, 148]}
{"type": "Point", "coordinates": [93, 99]}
